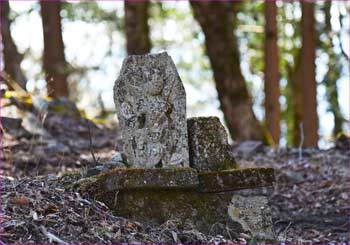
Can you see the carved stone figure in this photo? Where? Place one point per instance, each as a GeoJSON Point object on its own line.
{"type": "Point", "coordinates": [151, 107]}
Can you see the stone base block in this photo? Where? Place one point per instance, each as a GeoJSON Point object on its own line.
{"type": "Point", "coordinates": [153, 196]}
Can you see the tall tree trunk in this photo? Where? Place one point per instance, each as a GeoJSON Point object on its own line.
{"type": "Point", "coordinates": [333, 73]}
{"type": "Point", "coordinates": [308, 75]}
{"type": "Point", "coordinates": [54, 61]}
{"type": "Point", "coordinates": [136, 27]}
{"type": "Point", "coordinates": [12, 59]}
{"type": "Point", "coordinates": [272, 90]}
{"type": "Point", "coordinates": [217, 20]}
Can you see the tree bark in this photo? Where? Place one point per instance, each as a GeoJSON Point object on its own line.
{"type": "Point", "coordinates": [272, 90]}
{"type": "Point", "coordinates": [217, 20]}
{"type": "Point", "coordinates": [136, 27]}
{"type": "Point", "coordinates": [12, 58]}
{"type": "Point", "coordinates": [54, 61]}
{"type": "Point", "coordinates": [308, 75]}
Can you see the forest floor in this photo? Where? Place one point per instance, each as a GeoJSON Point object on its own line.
{"type": "Point", "coordinates": [309, 201]}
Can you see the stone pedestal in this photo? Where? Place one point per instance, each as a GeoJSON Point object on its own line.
{"type": "Point", "coordinates": [153, 196]}
{"type": "Point", "coordinates": [160, 145]}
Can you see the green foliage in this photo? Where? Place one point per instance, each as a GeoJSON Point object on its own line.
{"type": "Point", "coordinates": [250, 30]}
{"type": "Point", "coordinates": [289, 48]}
{"type": "Point", "coordinates": [335, 66]}
{"type": "Point", "coordinates": [192, 62]}
{"type": "Point", "coordinates": [186, 43]}
{"type": "Point", "coordinates": [90, 12]}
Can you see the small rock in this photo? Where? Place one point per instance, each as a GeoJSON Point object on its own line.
{"type": "Point", "coordinates": [117, 161]}
{"type": "Point", "coordinates": [247, 148]}
{"type": "Point", "coordinates": [13, 126]}
{"type": "Point", "coordinates": [254, 215]}
{"type": "Point", "coordinates": [118, 158]}
{"type": "Point", "coordinates": [11, 123]}
{"type": "Point", "coordinates": [99, 169]}
{"type": "Point", "coordinates": [114, 164]}
{"type": "Point", "coordinates": [52, 148]}
{"type": "Point", "coordinates": [35, 126]}
{"type": "Point", "coordinates": [51, 177]}
{"type": "Point", "coordinates": [295, 177]}
{"type": "Point", "coordinates": [94, 171]}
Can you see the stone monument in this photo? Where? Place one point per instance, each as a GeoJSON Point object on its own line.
{"type": "Point", "coordinates": [151, 107]}
{"type": "Point", "coordinates": [177, 169]}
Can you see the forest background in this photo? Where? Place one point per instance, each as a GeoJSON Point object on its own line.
{"type": "Point", "coordinates": [297, 51]}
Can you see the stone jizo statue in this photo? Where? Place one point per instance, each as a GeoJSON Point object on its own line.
{"type": "Point", "coordinates": [151, 107]}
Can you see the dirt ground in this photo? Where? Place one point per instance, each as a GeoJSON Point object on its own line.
{"type": "Point", "coordinates": [310, 199]}
{"type": "Point", "coordinates": [310, 202]}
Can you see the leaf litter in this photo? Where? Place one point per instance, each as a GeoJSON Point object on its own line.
{"type": "Point", "coordinates": [309, 201]}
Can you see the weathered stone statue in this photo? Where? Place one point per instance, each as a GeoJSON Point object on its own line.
{"type": "Point", "coordinates": [151, 107]}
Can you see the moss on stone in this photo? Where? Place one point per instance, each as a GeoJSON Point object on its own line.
{"type": "Point", "coordinates": [70, 177]}
{"type": "Point", "coordinates": [88, 185]}
{"type": "Point", "coordinates": [140, 178]}
{"type": "Point", "coordinates": [163, 178]}
{"type": "Point", "coordinates": [229, 180]}
{"type": "Point", "coordinates": [156, 207]}
{"type": "Point", "coordinates": [156, 201]}
{"type": "Point", "coordinates": [177, 178]}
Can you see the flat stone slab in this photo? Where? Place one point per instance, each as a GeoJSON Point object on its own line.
{"type": "Point", "coordinates": [235, 179]}
{"type": "Point", "coordinates": [179, 178]}
{"type": "Point", "coordinates": [137, 178]}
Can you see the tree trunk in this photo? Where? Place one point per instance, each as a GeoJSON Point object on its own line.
{"type": "Point", "coordinates": [12, 59]}
{"type": "Point", "coordinates": [333, 72]}
{"type": "Point", "coordinates": [308, 75]}
{"type": "Point", "coordinates": [217, 20]}
{"type": "Point", "coordinates": [136, 27]}
{"type": "Point", "coordinates": [54, 62]}
{"type": "Point", "coordinates": [272, 90]}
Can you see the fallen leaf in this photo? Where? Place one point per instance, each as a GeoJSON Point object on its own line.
{"type": "Point", "coordinates": [19, 200]}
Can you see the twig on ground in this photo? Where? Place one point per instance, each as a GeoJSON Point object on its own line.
{"type": "Point", "coordinates": [300, 148]}
{"type": "Point", "coordinates": [286, 230]}
{"type": "Point", "coordinates": [51, 236]}
{"type": "Point", "coordinates": [91, 147]}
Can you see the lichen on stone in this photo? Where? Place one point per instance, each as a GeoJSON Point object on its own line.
{"type": "Point", "coordinates": [208, 145]}
{"type": "Point", "coordinates": [254, 214]}
{"type": "Point", "coordinates": [138, 178]}
{"type": "Point", "coordinates": [141, 178]}
{"type": "Point", "coordinates": [151, 106]}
